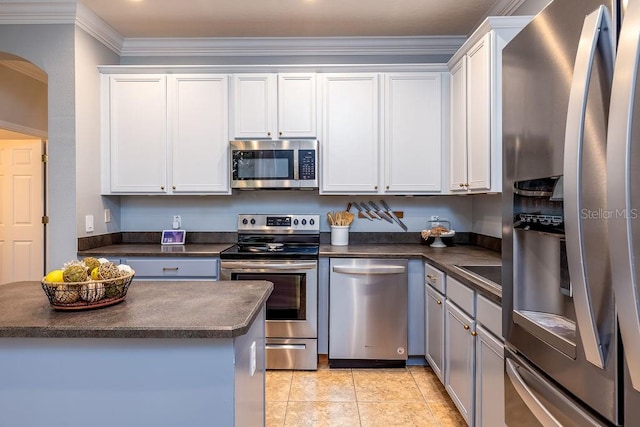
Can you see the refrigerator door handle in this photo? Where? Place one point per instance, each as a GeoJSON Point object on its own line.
{"type": "Point", "coordinates": [595, 35]}
{"type": "Point", "coordinates": [622, 246]}
{"type": "Point", "coordinates": [529, 398]}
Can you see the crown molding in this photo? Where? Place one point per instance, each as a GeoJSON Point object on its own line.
{"type": "Point", "coordinates": [292, 46]}
{"type": "Point", "coordinates": [98, 29]}
{"type": "Point", "coordinates": [38, 12]}
{"type": "Point", "coordinates": [504, 7]}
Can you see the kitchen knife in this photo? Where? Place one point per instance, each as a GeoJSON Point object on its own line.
{"type": "Point", "coordinates": [382, 214]}
{"type": "Point", "coordinates": [393, 215]}
{"type": "Point", "coordinates": [364, 213]}
{"type": "Point", "coordinates": [369, 212]}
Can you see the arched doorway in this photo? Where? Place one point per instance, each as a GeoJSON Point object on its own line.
{"type": "Point", "coordinates": [23, 130]}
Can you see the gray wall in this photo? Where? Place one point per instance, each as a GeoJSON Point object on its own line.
{"type": "Point", "coordinates": [89, 53]}
{"type": "Point", "coordinates": [51, 47]}
{"type": "Point", "coordinates": [532, 7]}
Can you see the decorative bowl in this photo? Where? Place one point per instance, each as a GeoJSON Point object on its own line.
{"type": "Point", "coordinates": [87, 295]}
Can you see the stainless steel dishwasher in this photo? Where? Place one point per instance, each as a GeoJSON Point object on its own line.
{"type": "Point", "coordinates": [368, 312]}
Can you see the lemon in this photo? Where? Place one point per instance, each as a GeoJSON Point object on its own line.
{"type": "Point", "coordinates": [54, 276]}
{"type": "Point", "coordinates": [94, 274]}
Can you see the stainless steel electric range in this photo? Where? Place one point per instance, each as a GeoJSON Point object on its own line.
{"type": "Point", "coordinates": [282, 249]}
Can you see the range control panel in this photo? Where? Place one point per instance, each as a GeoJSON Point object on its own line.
{"type": "Point", "coordinates": [279, 223]}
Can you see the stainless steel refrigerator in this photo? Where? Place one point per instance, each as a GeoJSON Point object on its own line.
{"type": "Point", "coordinates": [571, 232]}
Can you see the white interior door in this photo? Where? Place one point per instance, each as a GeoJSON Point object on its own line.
{"type": "Point", "coordinates": [21, 210]}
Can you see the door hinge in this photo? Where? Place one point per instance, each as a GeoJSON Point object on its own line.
{"type": "Point", "coordinates": [45, 158]}
{"type": "Point", "coordinates": [45, 219]}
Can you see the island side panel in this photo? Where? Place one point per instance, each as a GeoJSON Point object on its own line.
{"type": "Point", "coordinates": [125, 382]}
{"type": "Point", "coordinates": [250, 394]}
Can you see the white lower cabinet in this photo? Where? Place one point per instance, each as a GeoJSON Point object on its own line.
{"type": "Point", "coordinates": [459, 356]}
{"type": "Point", "coordinates": [174, 268]}
{"type": "Point", "coordinates": [434, 330]}
{"type": "Point", "coordinates": [463, 346]}
{"type": "Point", "coordinates": [489, 379]}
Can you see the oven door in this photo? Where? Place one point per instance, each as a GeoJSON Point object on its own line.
{"type": "Point", "coordinates": [292, 307]}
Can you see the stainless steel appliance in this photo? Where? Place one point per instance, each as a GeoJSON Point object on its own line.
{"type": "Point", "coordinates": [282, 164]}
{"type": "Point", "coordinates": [570, 156]}
{"type": "Point", "coordinates": [368, 301]}
{"type": "Point", "coordinates": [282, 249]}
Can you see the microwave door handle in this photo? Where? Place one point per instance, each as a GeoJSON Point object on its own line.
{"type": "Point", "coordinates": [620, 168]}
{"type": "Point", "coordinates": [595, 34]}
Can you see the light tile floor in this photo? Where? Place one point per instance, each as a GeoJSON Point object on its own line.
{"type": "Point", "coordinates": [411, 396]}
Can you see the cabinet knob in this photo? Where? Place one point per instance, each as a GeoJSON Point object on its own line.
{"type": "Point", "coordinates": [375, 188]}
{"type": "Point", "coordinates": [438, 302]}
{"type": "Point", "coordinates": [474, 333]}
{"type": "Point", "coordinates": [466, 326]}
{"type": "Point", "coordinates": [162, 187]}
{"type": "Point", "coordinates": [280, 133]}
{"type": "Point", "coordinates": [268, 133]}
{"type": "Point", "coordinates": [431, 277]}
{"type": "Point", "coordinates": [174, 187]}
{"type": "Point", "coordinates": [461, 185]}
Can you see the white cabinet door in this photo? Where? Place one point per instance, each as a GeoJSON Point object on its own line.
{"type": "Point", "coordinates": [479, 115]}
{"type": "Point", "coordinates": [413, 133]}
{"type": "Point", "coordinates": [297, 105]}
{"type": "Point", "coordinates": [198, 133]}
{"type": "Point", "coordinates": [460, 359]}
{"type": "Point", "coordinates": [254, 106]}
{"type": "Point", "coordinates": [136, 134]}
{"type": "Point", "coordinates": [434, 330]}
{"type": "Point", "coordinates": [350, 135]}
{"type": "Point", "coordinates": [458, 130]}
{"type": "Point", "coordinates": [489, 380]}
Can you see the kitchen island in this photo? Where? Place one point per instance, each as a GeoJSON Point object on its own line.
{"type": "Point", "coordinates": [172, 353]}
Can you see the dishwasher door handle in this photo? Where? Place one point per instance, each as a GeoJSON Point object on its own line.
{"type": "Point", "coordinates": [369, 270]}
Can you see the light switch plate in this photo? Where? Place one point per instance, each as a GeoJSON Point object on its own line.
{"type": "Point", "coordinates": [88, 223]}
{"type": "Point", "coordinates": [107, 215]}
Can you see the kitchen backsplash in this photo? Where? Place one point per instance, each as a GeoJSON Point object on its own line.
{"type": "Point", "coordinates": [219, 213]}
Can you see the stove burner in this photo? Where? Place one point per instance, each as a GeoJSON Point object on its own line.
{"type": "Point", "coordinates": [276, 237]}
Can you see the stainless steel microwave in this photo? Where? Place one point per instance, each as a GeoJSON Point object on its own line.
{"type": "Point", "coordinates": [279, 164]}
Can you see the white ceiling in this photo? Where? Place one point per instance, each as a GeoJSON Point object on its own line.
{"type": "Point", "coordinates": [294, 18]}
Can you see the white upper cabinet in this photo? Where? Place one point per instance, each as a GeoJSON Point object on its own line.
{"type": "Point", "coordinates": [350, 133]}
{"type": "Point", "coordinates": [382, 133]}
{"type": "Point", "coordinates": [136, 134]}
{"type": "Point", "coordinates": [198, 133]}
{"type": "Point", "coordinates": [475, 150]}
{"type": "Point", "coordinates": [274, 106]}
{"type": "Point", "coordinates": [413, 136]}
{"type": "Point", "coordinates": [165, 134]}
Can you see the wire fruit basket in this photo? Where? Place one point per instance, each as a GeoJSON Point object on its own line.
{"type": "Point", "coordinates": [89, 294]}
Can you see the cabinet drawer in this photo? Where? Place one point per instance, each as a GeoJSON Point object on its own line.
{"type": "Point", "coordinates": [175, 268]}
{"type": "Point", "coordinates": [434, 277]}
{"type": "Point", "coordinates": [461, 295]}
{"type": "Point", "coordinates": [489, 315]}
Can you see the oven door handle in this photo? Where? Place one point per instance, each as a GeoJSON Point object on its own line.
{"type": "Point", "coordinates": [285, 346]}
{"type": "Point", "coordinates": [252, 265]}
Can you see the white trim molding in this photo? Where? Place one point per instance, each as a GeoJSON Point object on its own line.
{"type": "Point", "coordinates": [292, 46]}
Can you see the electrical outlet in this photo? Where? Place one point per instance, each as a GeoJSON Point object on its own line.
{"type": "Point", "coordinates": [435, 217]}
{"type": "Point", "coordinates": [252, 361]}
{"type": "Point", "coordinates": [177, 222]}
{"type": "Point", "coordinates": [107, 215]}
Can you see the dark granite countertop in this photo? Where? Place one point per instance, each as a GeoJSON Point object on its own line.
{"type": "Point", "coordinates": [442, 258]}
{"type": "Point", "coordinates": [149, 249]}
{"type": "Point", "coordinates": [152, 309]}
